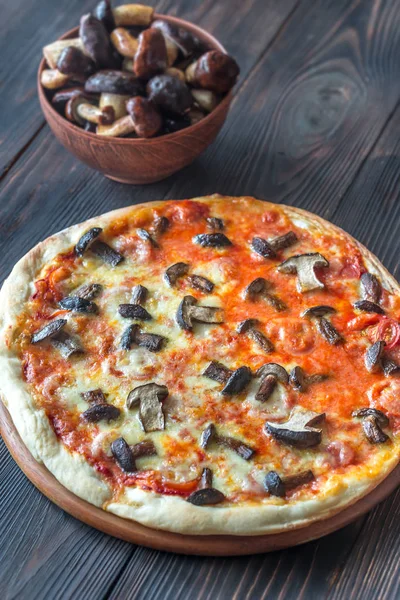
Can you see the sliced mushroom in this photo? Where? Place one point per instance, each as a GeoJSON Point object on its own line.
{"type": "Point", "coordinates": [66, 345]}
{"type": "Point", "coordinates": [299, 430]}
{"type": "Point", "coordinates": [161, 224]}
{"type": "Point", "coordinates": [101, 412]}
{"type": "Point", "coordinates": [206, 497]}
{"type": "Point", "coordinates": [103, 12]}
{"type": "Point", "coordinates": [270, 374]}
{"type": "Point", "coordinates": [329, 332]}
{"type": "Point", "coordinates": [187, 313]}
{"type": "Point", "coordinates": [380, 417]}
{"type": "Point", "coordinates": [390, 368]}
{"type": "Point", "coordinates": [89, 291]}
{"type": "Point", "coordinates": [78, 304]}
{"type": "Point", "coordinates": [134, 311]}
{"type": "Point", "coordinates": [371, 287]}
{"type": "Point", "coordinates": [368, 306]}
{"type": "Point", "coordinates": [213, 71]}
{"type": "Point", "coordinates": [114, 82]}
{"type": "Point", "coordinates": [151, 341]}
{"type": "Point", "coordinates": [215, 223]}
{"type": "Point", "coordinates": [175, 271]}
{"type": "Point", "coordinates": [217, 372]}
{"type": "Point", "coordinates": [128, 337]}
{"type": "Point", "coordinates": [106, 253]}
{"type": "Point", "coordinates": [212, 240]}
{"type": "Point", "coordinates": [278, 486]}
{"type": "Point", "coordinates": [256, 288]}
{"type": "Point", "coordinates": [373, 357]}
{"type": "Point", "coordinates": [145, 235]}
{"type": "Point", "coordinates": [151, 56]}
{"type": "Point", "coordinates": [318, 311]}
{"type": "Point", "coordinates": [237, 381]}
{"type": "Point", "coordinates": [283, 241]}
{"type": "Point", "coordinates": [206, 478]}
{"type": "Point", "coordinates": [48, 331]}
{"type": "Point", "coordinates": [86, 239]}
{"type": "Point", "coordinates": [53, 79]}
{"type": "Point", "coordinates": [304, 265]}
{"type": "Point", "coordinates": [373, 432]}
{"type": "Point", "coordinates": [298, 379]}
{"type": "Point", "coordinates": [201, 283]}
{"type": "Point", "coordinates": [94, 396]}
{"type": "Point", "coordinates": [97, 42]}
{"type": "Point", "coordinates": [210, 435]}
{"type": "Point", "coordinates": [142, 449]}
{"type": "Point", "coordinates": [207, 435]}
{"type": "Point", "coordinates": [129, 15]}
{"type": "Point", "coordinates": [139, 294]}
{"type": "Point", "coordinates": [249, 326]}
{"type": "Point", "coordinates": [124, 42]}
{"type": "Point", "coordinates": [123, 455]}
{"type": "Point", "coordinates": [262, 247]}
{"type": "Point", "coordinates": [148, 122]}
{"type": "Point", "coordinates": [170, 94]}
{"type": "Point", "coordinates": [149, 397]}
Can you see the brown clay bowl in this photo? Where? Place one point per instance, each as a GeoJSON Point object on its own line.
{"type": "Point", "coordinates": [138, 161]}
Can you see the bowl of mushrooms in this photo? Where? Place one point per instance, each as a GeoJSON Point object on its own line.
{"type": "Point", "coordinates": [133, 94]}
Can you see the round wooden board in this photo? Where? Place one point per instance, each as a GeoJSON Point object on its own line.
{"type": "Point", "coordinates": [207, 545]}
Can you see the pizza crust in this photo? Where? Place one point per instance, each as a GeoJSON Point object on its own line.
{"type": "Point", "coordinates": [154, 510]}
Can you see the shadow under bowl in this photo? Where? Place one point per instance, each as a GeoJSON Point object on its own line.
{"type": "Point", "coordinates": [138, 161]}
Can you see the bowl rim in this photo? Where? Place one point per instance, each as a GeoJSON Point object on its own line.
{"type": "Point", "coordinates": [199, 32]}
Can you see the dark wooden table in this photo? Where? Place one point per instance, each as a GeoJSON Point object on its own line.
{"type": "Point", "coordinates": [315, 124]}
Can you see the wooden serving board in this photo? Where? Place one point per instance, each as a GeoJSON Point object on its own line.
{"type": "Point", "coordinates": [207, 545]}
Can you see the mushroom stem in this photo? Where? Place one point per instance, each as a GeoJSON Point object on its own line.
{"type": "Point", "coordinates": [119, 128]}
{"type": "Point", "coordinates": [52, 79]}
{"type": "Point", "coordinates": [124, 42]}
{"type": "Point", "coordinates": [94, 114]}
{"type": "Point", "coordinates": [117, 101]}
{"type": "Point", "coordinates": [133, 14]}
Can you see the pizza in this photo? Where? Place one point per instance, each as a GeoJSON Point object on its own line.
{"type": "Point", "coordinates": [209, 366]}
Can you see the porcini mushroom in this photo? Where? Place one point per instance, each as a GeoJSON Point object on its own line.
{"type": "Point", "coordinates": [249, 327]}
{"type": "Point", "coordinates": [213, 71]}
{"type": "Point", "coordinates": [371, 287]}
{"type": "Point", "coordinates": [188, 312]}
{"type": "Point", "coordinates": [170, 94]}
{"type": "Point", "coordinates": [124, 42]}
{"type": "Point", "coordinates": [114, 82]}
{"type": "Point", "coordinates": [145, 116]}
{"type": "Point", "coordinates": [52, 79]}
{"type": "Point", "coordinates": [96, 41]}
{"type": "Point", "coordinates": [149, 398]}
{"type": "Point", "coordinates": [129, 15]}
{"type": "Point", "coordinates": [174, 272]}
{"type": "Point", "coordinates": [237, 382]}
{"type": "Point", "coordinates": [48, 330]}
{"type": "Point", "coordinates": [278, 486]}
{"type": "Point", "coordinates": [304, 265]}
{"type": "Point", "coordinates": [212, 240]}
{"type": "Point", "coordinates": [52, 52]}
{"type": "Point", "coordinates": [151, 56]}
{"type": "Point", "coordinates": [270, 374]}
{"type": "Point", "coordinates": [373, 356]}
{"type": "Point", "coordinates": [299, 429]}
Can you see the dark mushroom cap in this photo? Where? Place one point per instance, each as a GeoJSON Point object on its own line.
{"type": "Point", "coordinates": [298, 431]}
{"type": "Point", "coordinates": [78, 304]}
{"type": "Point", "coordinates": [318, 311]}
{"type": "Point", "coordinates": [151, 55]}
{"type": "Point", "coordinates": [381, 418]}
{"type": "Point", "coordinates": [368, 306]}
{"type": "Point", "coordinates": [184, 40]}
{"type": "Point", "coordinates": [86, 239]}
{"type": "Point", "coordinates": [146, 118]}
{"type": "Point", "coordinates": [212, 240]}
{"type": "Point", "coordinates": [73, 61]}
{"type": "Point", "coordinates": [217, 372]}
{"type": "Point", "coordinates": [206, 496]}
{"type": "Point", "coordinates": [262, 247]}
{"type": "Point", "coordinates": [101, 412]}
{"type": "Point", "coordinates": [373, 356]}
{"type": "Point", "coordinates": [256, 288]}
{"type": "Point", "coordinates": [215, 71]}
{"type": "Point", "coordinates": [170, 94]}
{"type": "Point", "coordinates": [247, 324]}
{"type": "Point", "coordinates": [371, 287]}
{"type": "Point", "coordinates": [114, 82]}
{"type": "Point", "coordinates": [175, 271]}
{"type": "Point", "coordinates": [97, 42]}
{"type": "Point", "coordinates": [103, 12]}
{"type": "Point", "coordinates": [273, 369]}
{"type": "Point", "coordinates": [123, 455]}
{"type": "Point", "coordinates": [237, 382]}
{"type": "Point", "coordinates": [48, 331]}
{"type": "Point", "coordinates": [372, 431]}
{"type": "Point", "coordinates": [106, 253]}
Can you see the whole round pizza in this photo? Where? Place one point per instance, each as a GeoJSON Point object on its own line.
{"type": "Point", "coordinates": [209, 366]}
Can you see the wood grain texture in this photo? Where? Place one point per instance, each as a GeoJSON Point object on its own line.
{"type": "Point", "coordinates": [331, 160]}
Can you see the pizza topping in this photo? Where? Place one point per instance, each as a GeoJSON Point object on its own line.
{"type": "Point", "coordinates": [217, 372]}
{"type": "Point", "coordinates": [389, 367]}
{"type": "Point", "coordinates": [256, 288]}
{"type": "Point", "coordinates": [368, 306]}
{"type": "Point", "coordinates": [201, 283]}
{"type": "Point", "coordinates": [187, 313]}
{"type": "Point", "coordinates": [145, 235]}
{"type": "Point", "coordinates": [298, 379]}
{"type": "Point", "coordinates": [66, 344]}
{"type": "Point", "coordinates": [161, 225]}
{"type": "Point", "coordinates": [213, 240]}
{"type": "Point", "coordinates": [94, 396]}
{"type": "Point", "coordinates": [249, 327]}
{"type": "Point", "coordinates": [206, 478]}
{"type": "Point", "coordinates": [329, 332]}
{"type": "Point", "coordinates": [48, 331]}
{"type": "Point", "coordinates": [106, 253]}
{"type": "Point", "coordinates": [101, 412]}
{"type": "Point", "coordinates": [175, 271]}
{"type": "Point", "coordinates": [283, 241]}
{"type": "Point", "coordinates": [262, 247]}
{"type": "Point", "coordinates": [132, 335]}
{"type": "Point", "coordinates": [371, 287]}
{"type": "Point", "coordinates": [87, 238]}
{"type": "Point", "coordinates": [373, 357]}
{"type": "Point", "coordinates": [275, 302]}
{"type": "Point", "coordinates": [134, 311]}
{"type": "Point", "coordinates": [372, 430]}
{"type": "Point", "coordinates": [215, 223]}
{"type": "Point", "coordinates": [304, 265]}
{"type": "Point", "coordinates": [318, 311]}
{"type": "Point", "coordinates": [123, 455]}
{"type": "Point", "coordinates": [149, 397]}
{"type": "Point", "coordinates": [206, 496]}
{"type": "Point", "coordinates": [139, 294]}
{"type": "Point", "coordinates": [89, 291]}
{"type": "Point", "coordinates": [278, 486]}
{"type": "Point", "coordinates": [210, 435]}
{"type": "Point", "coordinates": [144, 448]}
{"type": "Point", "coordinates": [270, 374]}
{"type": "Point", "coordinates": [298, 431]}
{"type": "Point", "coordinates": [78, 304]}
{"type": "Point", "coordinates": [237, 382]}
{"type": "Point", "coordinates": [378, 415]}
